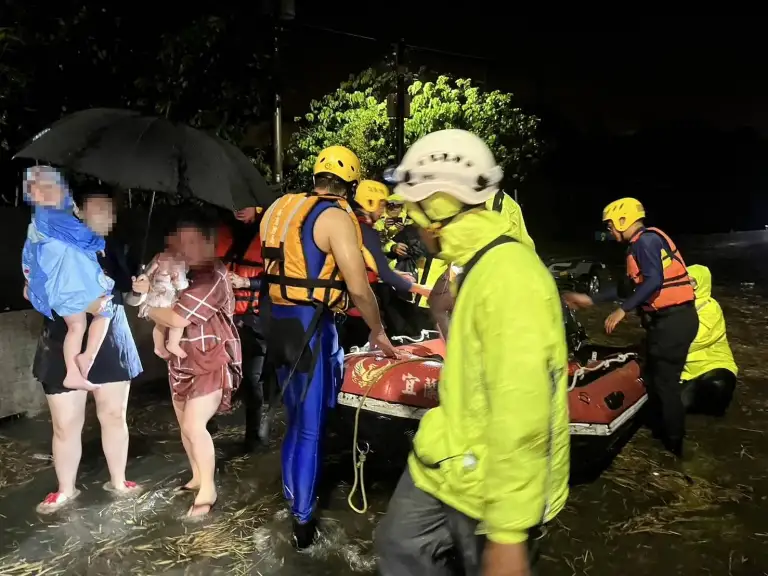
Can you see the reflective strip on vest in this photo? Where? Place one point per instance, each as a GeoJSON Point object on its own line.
{"type": "Point", "coordinates": [286, 268]}
{"type": "Point", "coordinates": [676, 287]}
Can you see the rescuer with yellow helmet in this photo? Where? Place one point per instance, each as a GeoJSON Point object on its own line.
{"type": "Point", "coordinates": [664, 295]}
{"type": "Point", "coordinates": [390, 224]}
{"type": "Point", "coordinates": [314, 268]}
{"type": "Point", "coordinates": [369, 205]}
{"type": "Point", "coordinates": [493, 458]}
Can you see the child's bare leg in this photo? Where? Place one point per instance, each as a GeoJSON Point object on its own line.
{"type": "Point", "coordinates": [73, 343]}
{"type": "Point", "coordinates": [96, 334]}
{"type": "Point", "coordinates": [173, 342]}
{"type": "Point", "coordinates": [158, 337]}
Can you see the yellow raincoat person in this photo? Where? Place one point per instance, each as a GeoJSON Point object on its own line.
{"type": "Point", "coordinates": [709, 376]}
{"type": "Point", "coordinates": [493, 458]}
{"type": "Point", "coordinates": [390, 224]}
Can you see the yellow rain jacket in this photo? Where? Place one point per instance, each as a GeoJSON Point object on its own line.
{"type": "Point", "coordinates": [710, 349]}
{"type": "Point", "coordinates": [511, 210]}
{"type": "Point", "coordinates": [388, 233]}
{"type": "Point", "coordinates": [497, 447]}
{"type": "Point", "coordinates": [437, 268]}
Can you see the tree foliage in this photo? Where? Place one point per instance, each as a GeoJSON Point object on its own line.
{"type": "Point", "coordinates": [355, 115]}
{"type": "Point", "coordinates": [192, 67]}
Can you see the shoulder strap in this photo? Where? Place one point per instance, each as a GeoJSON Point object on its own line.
{"type": "Point", "coordinates": [498, 201]}
{"type": "Point", "coordinates": [672, 252]}
{"type": "Point", "coordinates": [478, 255]}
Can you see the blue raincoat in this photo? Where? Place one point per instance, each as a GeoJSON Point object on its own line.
{"type": "Point", "coordinates": [59, 259]}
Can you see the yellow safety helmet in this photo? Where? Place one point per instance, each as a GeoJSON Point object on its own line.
{"type": "Point", "coordinates": [395, 199]}
{"type": "Point", "coordinates": [370, 194]}
{"type": "Point", "coordinates": [339, 161]}
{"type": "Point", "coordinates": [623, 213]}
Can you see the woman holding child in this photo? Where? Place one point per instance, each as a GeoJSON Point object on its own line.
{"type": "Point", "coordinates": [207, 371]}
{"type": "Point", "coordinates": [108, 374]}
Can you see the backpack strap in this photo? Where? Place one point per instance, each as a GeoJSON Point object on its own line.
{"type": "Point", "coordinates": [478, 255]}
{"type": "Point", "coordinates": [498, 201]}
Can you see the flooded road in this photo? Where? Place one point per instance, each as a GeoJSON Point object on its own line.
{"type": "Point", "coordinates": [639, 517]}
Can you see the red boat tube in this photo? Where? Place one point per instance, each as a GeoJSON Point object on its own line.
{"type": "Point", "coordinates": [603, 394]}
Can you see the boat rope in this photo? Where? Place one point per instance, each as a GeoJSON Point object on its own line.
{"type": "Point", "coordinates": [425, 334]}
{"type": "Point", "coordinates": [584, 370]}
{"type": "Point", "coordinates": [359, 455]}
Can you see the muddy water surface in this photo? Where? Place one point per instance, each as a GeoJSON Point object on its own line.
{"type": "Point", "coordinates": [639, 517]}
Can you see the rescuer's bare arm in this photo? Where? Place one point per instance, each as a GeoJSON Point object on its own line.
{"type": "Point", "coordinates": [335, 233]}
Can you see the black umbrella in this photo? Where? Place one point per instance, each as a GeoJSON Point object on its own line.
{"type": "Point", "coordinates": [149, 153]}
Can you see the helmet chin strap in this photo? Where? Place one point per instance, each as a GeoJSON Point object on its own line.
{"type": "Point", "coordinates": [436, 225]}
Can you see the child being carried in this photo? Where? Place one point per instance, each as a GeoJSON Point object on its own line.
{"type": "Point", "coordinates": [167, 276]}
{"type": "Point", "coordinates": [62, 272]}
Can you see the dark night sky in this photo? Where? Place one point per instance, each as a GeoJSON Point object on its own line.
{"type": "Point", "coordinates": [670, 109]}
{"type": "Point", "coordinates": [621, 75]}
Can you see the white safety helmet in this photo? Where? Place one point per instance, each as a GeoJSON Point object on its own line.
{"type": "Point", "coordinates": [455, 162]}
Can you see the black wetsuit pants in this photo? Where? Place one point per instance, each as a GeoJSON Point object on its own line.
{"type": "Point", "coordinates": [670, 332]}
{"type": "Point", "coordinates": [710, 393]}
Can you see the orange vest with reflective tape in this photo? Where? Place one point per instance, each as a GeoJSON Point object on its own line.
{"type": "Point", "coordinates": [676, 288]}
{"type": "Point", "coordinates": [248, 265]}
{"type": "Point", "coordinates": [284, 261]}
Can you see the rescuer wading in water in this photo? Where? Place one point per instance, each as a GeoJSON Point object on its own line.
{"type": "Point", "coordinates": [314, 268]}
{"type": "Point", "coordinates": [664, 295]}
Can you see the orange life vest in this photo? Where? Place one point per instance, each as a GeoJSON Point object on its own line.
{"type": "Point", "coordinates": [248, 265]}
{"type": "Point", "coordinates": [676, 288]}
{"type": "Point", "coordinates": [284, 259]}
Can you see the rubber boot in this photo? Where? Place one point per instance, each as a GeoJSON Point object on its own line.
{"type": "Point", "coordinates": [304, 535]}
{"type": "Point", "coordinates": [257, 428]}
{"type": "Point", "coordinates": [682, 462]}
{"type": "Point", "coordinates": [265, 425]}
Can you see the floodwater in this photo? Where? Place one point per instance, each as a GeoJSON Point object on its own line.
{"type": "Point", "coordinates": [638, 517]}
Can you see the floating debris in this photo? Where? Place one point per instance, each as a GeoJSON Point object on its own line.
{"type": "Point", "coordinates": [18, 465]}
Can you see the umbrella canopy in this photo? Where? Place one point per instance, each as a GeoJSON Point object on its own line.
{"type": "Point", "coordinates": [149, 153]}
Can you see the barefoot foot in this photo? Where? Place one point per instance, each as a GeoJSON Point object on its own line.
{"type": "Point", "coordinates": [75, 381]}
{"type": "Point", "coordinates": [84, 363]}
{"type": "Point", "coordinates": [191, 486]}
{"type": "Point", "coordinates": [162, 352]}
{"type": "Point", "coordinates": [176, 350]}
{"type": "Point", "coordinates": [201, 509]}
{"type": "Point", "coordinates": [55, 501]}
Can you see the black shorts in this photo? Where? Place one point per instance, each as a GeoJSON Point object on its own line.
{"type": "Point", "coordinates": [117, 359]}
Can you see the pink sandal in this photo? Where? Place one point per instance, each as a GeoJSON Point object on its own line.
{"type": "Point", "coordinates": [130, 489]}
{"type": "Point", "coordinates": [55, 501]}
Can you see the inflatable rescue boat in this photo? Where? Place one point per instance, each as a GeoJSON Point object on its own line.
{"type": "Point", "coordinates": [386, 397]}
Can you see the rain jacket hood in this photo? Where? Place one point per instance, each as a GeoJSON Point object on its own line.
{"type": "Point", "coordinates": [469, 232]}
{"type": "Point", "coordinates": [497, 446]}
{"type": "Point", "coordinates": [511, 210]}
{"type": "Point", "coordinates": [710, 349]}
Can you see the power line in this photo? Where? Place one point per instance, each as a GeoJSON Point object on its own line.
{"type": "Point", "coordinates": [409, 46]}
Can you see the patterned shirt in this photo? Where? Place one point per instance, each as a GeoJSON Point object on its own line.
{"type": "Point", "coordinates": [211, 341]}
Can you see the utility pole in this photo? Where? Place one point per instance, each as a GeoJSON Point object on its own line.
{"type": "Point", "coordinates": [277, 119]}
{"type": "Point", "coordinates": [284, 10]}
{"type": "Point", "coordinates": [400, 98]}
